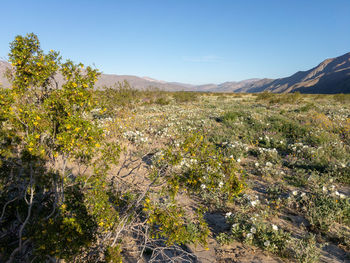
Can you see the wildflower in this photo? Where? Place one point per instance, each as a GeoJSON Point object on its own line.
{"type": "Point", "coordinates": [302, 194]}
{"type": "Point", "coordinates": [266, 243]}
{"type": "Point", "coordinates": [256, 164]}
{"type": "Point", "coordinates": [324, 189]}
{"type": "Point", "coordinates": [337, 193]}
{"type": "Point", "coordinates": [238, 160]}
{"type": "Point", "coordinates": [203, 186]}
{"type": "Point", "coordinates": [274, 227]}
{"type": "Point", "coordinates": [295, 192]}
{"type": "Point", "coordinates": [228, 214]}
{"type": "Point", "coordinates": [221, 184]}
{"type": "Point", "coordinates": [254, 203]}
{"type": "Point", "coordinates": [253, 230]}
{"type": "Point", "coordinates": [249, 235]}
{"type": "Point", "coordinates": [342, 196]}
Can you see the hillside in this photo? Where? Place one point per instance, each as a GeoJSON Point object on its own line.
{"type": "Point", "coordinates": [329, 77]}
{"type": "Point", "coordinates": [109, 80]}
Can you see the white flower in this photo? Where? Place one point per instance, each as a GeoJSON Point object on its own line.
{"type": "Point", "coordinates": [238, 160]}
{"type": "Point", "coordinates": [324, 189]}
{"type": "Point", "coordinates": [249, 235]}
{"type": "Point", "coordinates": [234, 225]}
{"type": "Point", "coordinates": [266, 243]}
{"type": "Point", "coordinates": [253, 230]}
{"type": "Point", "coordinates": [342, 196]}
{"type": "Point", "coordinates": [254, 203]}
{"type": "Point", "coordinates": [256, 164]}
{"type": "Point", "coordinates": [337, 193]}
{"type": "Point", "coordinates": [302, 194]}
{"type": "Point", "coordinates": [228, 214]}
{"type": "Point", "coordinates": [221, 184]}
{"type": "Point", "coordinates": [203, 186]}
{"type": "Point", "coordinates": [295, 192]}
{"type": "Point", "coordinates": [274, 227]}
{"type": "Point", "coordinates": [268, 164]}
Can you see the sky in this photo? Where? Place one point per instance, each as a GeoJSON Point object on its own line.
{"type": "Point", "coordinates": [189, 41]}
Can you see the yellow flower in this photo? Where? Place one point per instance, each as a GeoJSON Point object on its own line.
{"type": "Point", "coordinates": [37, 136]}
{"type": "Point", "coordinates": [68, 126]}
{"type": "Point", "coordinates": [74, 85]}
{"type": "Point", "coordinates": [38, 118]}
{"type": "Point", "coordinates": [97, 145]}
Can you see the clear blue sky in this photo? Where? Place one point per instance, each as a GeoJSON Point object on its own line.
{"type": "Point", "coordinates": [192, 41]}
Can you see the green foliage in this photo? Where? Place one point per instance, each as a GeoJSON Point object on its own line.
{"type": "Point", "coordinates": [170, 222]}
{"type": "Point", "coordinates": [197, 166]}
{"type": "Point", "coordinates": [254, 231]}
{"type": "Point", "coordinates": [185, 96]}
{"type": "Point", "coordinates": [264, 96]}
{"type": "Point", "coordinates": [305, 250]}
{"type": "Point", "coordinates": [44, 129]}
{"type": "Point", "coordinates": [342, 98]}
{"type": "Point", "coordinates": [283, 98]}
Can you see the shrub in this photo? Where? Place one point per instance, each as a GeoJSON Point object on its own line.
{"type": "Point", "coordinates": [185, 96]}
{"type": "Point", "coordinates": [44, 129]}
{"type": "Point", "coordinates": [57, 203]}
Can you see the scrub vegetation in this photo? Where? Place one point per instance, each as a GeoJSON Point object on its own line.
{"type": "Point", "coordinates": [122, 175]}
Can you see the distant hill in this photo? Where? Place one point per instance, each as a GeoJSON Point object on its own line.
{"type": "Point", "coordinates": [110, 80]}
{"type": "Point", "coordinates": [329, 77]}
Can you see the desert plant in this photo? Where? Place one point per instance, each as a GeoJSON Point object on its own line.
{"type": "Point", "coordinates": [56, 201]}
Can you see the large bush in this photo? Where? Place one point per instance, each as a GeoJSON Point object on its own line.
{"type": "Point", "coordinates": [56, 199]}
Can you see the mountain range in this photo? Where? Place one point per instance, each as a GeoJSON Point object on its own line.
{"type": "Point", "coordinates": [329, 77]}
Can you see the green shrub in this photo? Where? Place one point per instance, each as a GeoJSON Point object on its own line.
{"type": "Point", "coordinates": [185, 96]}
{"type": "Point", "coordinates": [342, 98]}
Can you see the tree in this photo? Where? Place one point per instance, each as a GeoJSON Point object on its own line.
{"type": "Point", "coordinates": [47, 211]}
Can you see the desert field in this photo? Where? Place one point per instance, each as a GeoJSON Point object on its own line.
{"type": "Point", "coordinates": [290, 152]}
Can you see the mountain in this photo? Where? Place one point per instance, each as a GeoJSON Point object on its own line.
{"type": "Point", "coordinates": [110, 80]}
{"type": "Point", "coordinates": [329, 77]}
